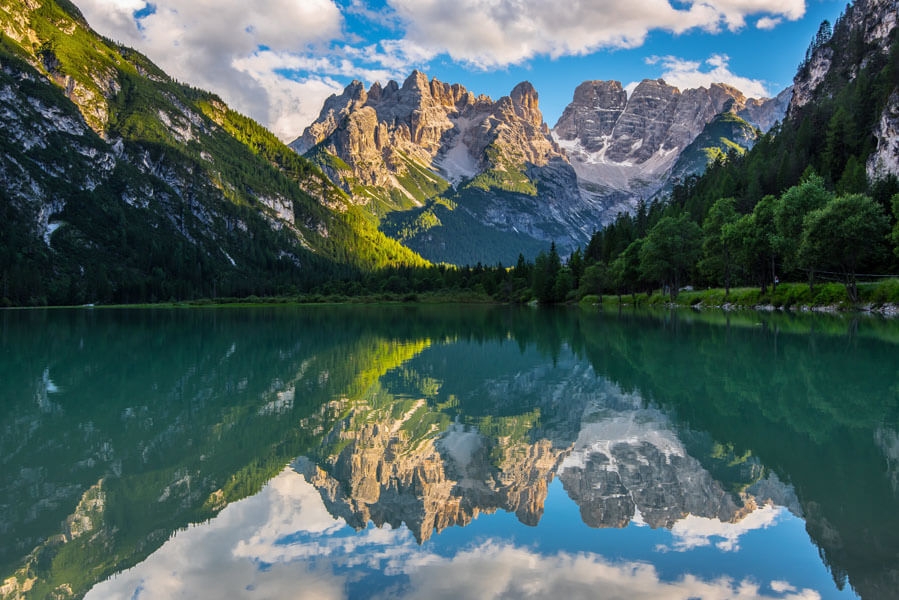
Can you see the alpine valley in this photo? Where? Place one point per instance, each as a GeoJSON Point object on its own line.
{"type": "Point", "coordinates": [120, 184]}
{"type": "Point", "coordinates": [463, 179]}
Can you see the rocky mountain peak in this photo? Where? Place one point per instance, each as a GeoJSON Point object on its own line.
{"type": "Point", "coordinates": [416, 81]}
{"type": "Point", "coordinates": [525, 101]}
{"type": "Point", "coordinates": [623, 147]}
{"type": "Point", "coordinates": [375, 91]}
{"type": "Point", "coordinates": [600, 94]}
{"type": "Point", "coordinates": [355, 92]}
{"type": "Point", "coordinates": [443, 126]}
{"type": "Point", "coordinates": [334, 110]}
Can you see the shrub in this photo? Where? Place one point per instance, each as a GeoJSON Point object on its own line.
{"type": "Point", "coordinates": [883, 292]}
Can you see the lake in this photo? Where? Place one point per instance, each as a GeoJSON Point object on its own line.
{"type": "Point", "coordinates": [447, 452]}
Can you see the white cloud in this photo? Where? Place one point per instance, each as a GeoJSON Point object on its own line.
{"type": "Point", "coordinates": [214, 44]}
{"type": "Point", "coordinates": [491, 33]}
{"type": "Point", "coordinates": [235, 48]}
{"type": "Point", "coordinates": [695, 532]}
{"type": "Point", "coordinates": [498, 570]}
{"type": "Point", "coordinates": [768, 23]}
{"type": "Point", "coordinates": [686, 74]}
{"type": "Point", "coordinates": [249, 551]}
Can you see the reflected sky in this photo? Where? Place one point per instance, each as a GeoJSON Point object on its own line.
{"type": "Point", "coordinates": [282, 543]}
{"type": "Point", "coordinates": [385, 452]}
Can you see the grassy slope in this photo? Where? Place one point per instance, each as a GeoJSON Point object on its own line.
{"type": "Point", "coordinates": [232, 165]}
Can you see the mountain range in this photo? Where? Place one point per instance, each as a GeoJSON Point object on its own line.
{"type": "Point", "coordinates": [437, 163]}
{"type": "Point", "coordinates": [121, 184]}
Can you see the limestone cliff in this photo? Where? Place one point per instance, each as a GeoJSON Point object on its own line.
{"type": "Point", "coordinates": [403, 462]}
{"type": "Point", "coordinates": [434, 161]}
{"type": "Point", "coordinates": [386, 474]}
{"type": "Point", "coordinates": [624, 146]}
{"type": "Point", "coordinates": [863, 39]}
{"type": "Point", "coordinates": [443, 127]}
{"type": "Point", "coordinates": [446, 169]}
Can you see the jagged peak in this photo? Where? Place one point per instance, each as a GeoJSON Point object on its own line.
{"type": "Point", "coordinates": [727, 88]}
{"type": "Point", "coordinates": [375, 91]}
{"type": "Point", "coordinates": [355, 89]}
{"type": "Point", "coordinates": [587, 91]}
{"type": "Point", "coordinates": [525, 94]}
{"type": "Point", "coordinates": [647, 85]}
{"type": "Point", "coordinates": [417, 80]}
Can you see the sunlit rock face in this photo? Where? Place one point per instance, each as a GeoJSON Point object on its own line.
{"type": "Point", "coordinates": [395, 148]}
{"type": "Point", "coordinates": [620, 461]}
{"type": "Point", "coordinates": [443, 127]}
{"type": "Point", "coordinates": [624, 146]}
{"type": "Point", "coordinates": [385, 476]}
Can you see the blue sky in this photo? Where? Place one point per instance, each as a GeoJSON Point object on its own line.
{"type": "Point", "coordinates": [277, 60]}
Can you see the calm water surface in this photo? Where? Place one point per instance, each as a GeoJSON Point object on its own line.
{"type": "Point", "coordinates": [416, 452]}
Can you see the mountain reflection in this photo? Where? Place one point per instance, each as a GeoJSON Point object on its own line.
{"type": "Point", "coordinates": [420, 463]}
{"type": "Point", "coordinates": [127, 426]}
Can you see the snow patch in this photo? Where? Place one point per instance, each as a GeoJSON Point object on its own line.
{"type": "Point", "coordinates": [456, 162]}
{"type": "Point", "coordinates": [461, 445]}
{"type": "Point", "coordinates": [51, 227]}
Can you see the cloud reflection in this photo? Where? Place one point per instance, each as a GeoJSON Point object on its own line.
{"type": "Point", "coordinates": [282, 543]}
{"type": "Point", "coordinates": [499, 570]}
{"type": "Point", "coordinates": [695, 532]}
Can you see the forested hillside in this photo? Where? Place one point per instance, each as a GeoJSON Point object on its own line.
{"type": "Point", "coordinates": [814, 200]}
{"type": "Point", "coordinates": [120, 184]}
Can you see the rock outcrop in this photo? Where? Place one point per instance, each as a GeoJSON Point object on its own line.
{"type": "Point", "coordinates": [384, 475]}
{"type": "Point", "coordinates": [619, 461]}
{"type": "Point", "coordinates": [624, 147]}
{"type": "Point", "coordinates": [397, 148]}
{"type": "Point", "coordinates": [441, 126]}
{"type": "Point", "coordinates": [862, 39]}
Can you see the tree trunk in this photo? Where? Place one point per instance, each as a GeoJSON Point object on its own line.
{"type": "Point", "coordinates": [773, 276]}
{"type": "Point", "coordinates": [852, 288]}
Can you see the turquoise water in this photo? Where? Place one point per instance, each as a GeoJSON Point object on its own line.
{"type": "Point", "coordinates": [428, 452]}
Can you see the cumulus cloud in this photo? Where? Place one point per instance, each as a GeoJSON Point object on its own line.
{"type": "Point", "coordinates": [500, 570]}
{"type": "Point", "coordinates": [768, 23]}
{"type": "Point", "coordinates": [277, 60]}
{"type": "Point", "coordinates": [282, 543]}
{"type": "Point", "coordinates": [686, 74]}
{"type": "Point", "coordinates": [215, 45]}
{"type": "Point", "coordinates": [695, 532]}
{"type": "Point", "coordinates": [490, 33]}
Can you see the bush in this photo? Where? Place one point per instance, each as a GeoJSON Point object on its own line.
{"type": "Point", "coordinates": [829, 294]}
{"type": "Point", "coordinates": [883, 292]}
{"type": "Point", "coordinates": [590, 300]}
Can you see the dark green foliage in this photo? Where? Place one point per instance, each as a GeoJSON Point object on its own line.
{"type": "Point", "coordinates": [672, 247]}
{"type": "Point", "coordinates": [201, 201]}
{"type": "Point", "coordinates": [444, 229]}
{"type": "Point", "coordinates": [757, 209]}
{"type": "Point", "coordinates": [546, 275]}
{"type": "Point", "coordinates": [718, 256]}
{"type": "Point", "coordinates": [844, 235]}
{"type": "Point", "coordinates": [789, 214]}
